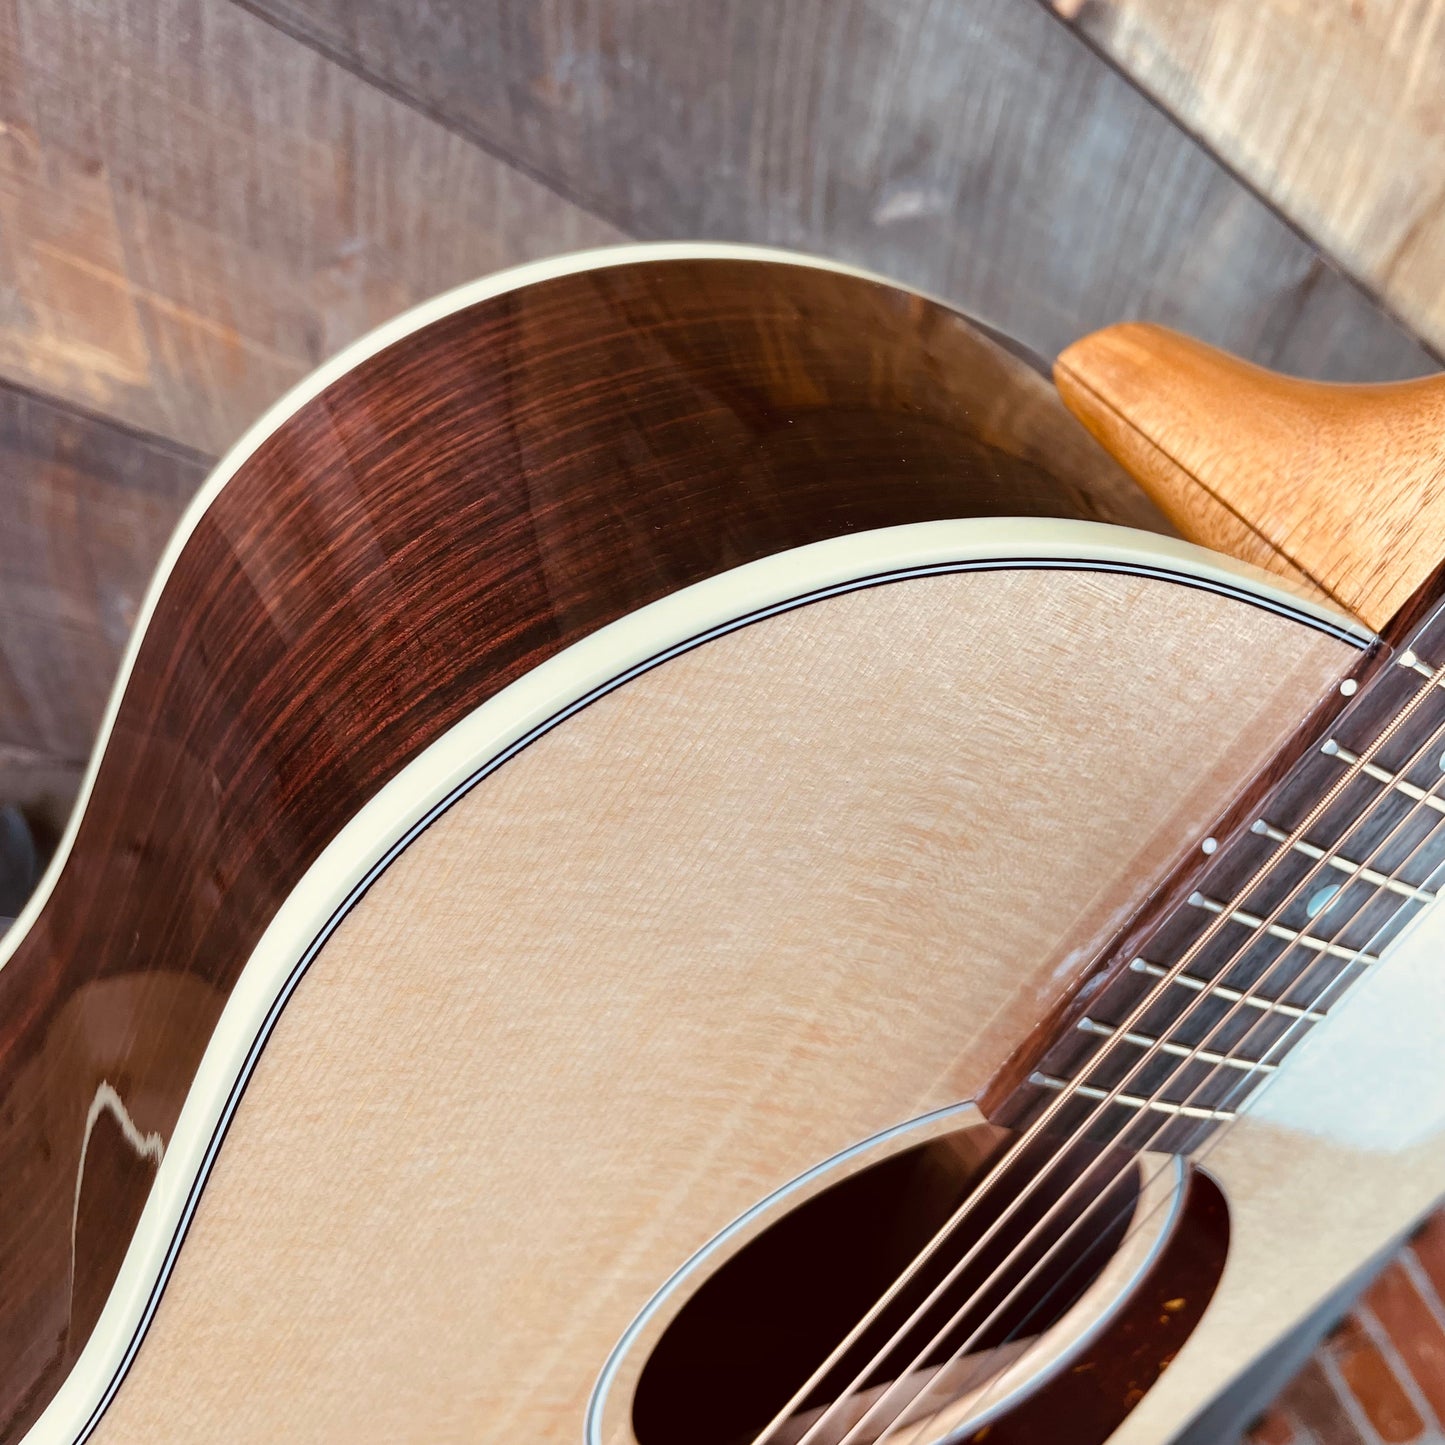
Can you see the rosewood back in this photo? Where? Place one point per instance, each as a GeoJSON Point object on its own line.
{"type": "Point", "coordinates": [452, 512]}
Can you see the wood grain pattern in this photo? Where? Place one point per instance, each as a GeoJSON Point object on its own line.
{"type": "Point", "coordinates": [1125, 426]}
{"type": "Point", "coordinates": [450, 513]}
{"type": "Point", "coordinates": [1104, 986]}
{"type": "Point", "coordinates": [195, 211]}
{"type": "Point", "coordinates": [86, 509]}
{"type": "Point", "coordinates": [1344, 485]}
{"type": "Point", "coordinates": [976, 151]}
{"type": "Point", "coordinates": [1331, 109]}
{"type": "Point", "coordinates": [697, 938]}
{"type": "Point", "coordinates": [195, 208]}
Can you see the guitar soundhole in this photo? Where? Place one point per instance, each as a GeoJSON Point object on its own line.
{"type": "Point", "coordinates": [755, 1331]}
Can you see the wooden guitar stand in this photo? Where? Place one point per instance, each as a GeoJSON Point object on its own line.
{"type": "Point", "coordinates": [1339, 488]}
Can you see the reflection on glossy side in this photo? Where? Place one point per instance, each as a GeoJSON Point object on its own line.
{"type": "Point", "coordinates": [444, 517]}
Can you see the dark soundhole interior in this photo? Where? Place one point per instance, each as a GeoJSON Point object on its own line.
{"type": "Point", "coordinates": [743, 1345]}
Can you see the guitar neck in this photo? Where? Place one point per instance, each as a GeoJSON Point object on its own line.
{"type": "Point", "coordinates": [1267, 922]}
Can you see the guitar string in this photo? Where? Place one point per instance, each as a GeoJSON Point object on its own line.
{"type": "Point", "coordinates": [901, 1333]}
{"type": "Point", "coordinates": [1263, 872]}
{"type": "Point", "coordinates": [1339, 981]}
{"type": "Point", "coordinates": [1160, 991]}
{"type": "Point", "coordinates": [1353, 771]}
{"type": "Point", "coordinates": [1342, 977]}
{"type": "Point", "coordinates": [1317, 1002]}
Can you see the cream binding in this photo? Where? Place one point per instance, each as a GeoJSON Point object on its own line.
{"type": "Point", "coordinates": [499, 728]}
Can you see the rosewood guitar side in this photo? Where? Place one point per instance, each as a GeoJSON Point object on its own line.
{"type": "Point", "coordinates": [447, 515]}
{"type": "Point", "coordinates": [624, 741]}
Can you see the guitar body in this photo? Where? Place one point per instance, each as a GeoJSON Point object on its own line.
{"type": "Point", "coordinates": [627, 751]}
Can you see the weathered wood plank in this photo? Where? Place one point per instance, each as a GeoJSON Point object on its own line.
{"type": "Point", "coordinates": [981, 151]}
{"type": "Point", "coordinates": [195, 210]}
{"type": "Point", "coordinates": [1334, 109]}
{"type": "Point", "coordinates": [86, 510]}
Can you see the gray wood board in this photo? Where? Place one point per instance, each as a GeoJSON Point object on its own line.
{"type": "Point", "coordinates": [1331, 109]}
{"type": "Point", "coordinates": [87, 508]}
{"type": "Point", "coordinates": [196, 210]}
{"type": "Point", "coordinates": [976, 148]}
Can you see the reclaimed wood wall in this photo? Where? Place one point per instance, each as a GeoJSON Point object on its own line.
{"type": "Point", "coordinates": [202, 199]}
{"type": "Point", "coordinates": [1334, 110]}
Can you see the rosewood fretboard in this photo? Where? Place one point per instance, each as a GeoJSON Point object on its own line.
{"type": "Point", "coordinates": [1290, 902]}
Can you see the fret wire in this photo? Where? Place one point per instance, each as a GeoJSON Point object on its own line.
{"type": "Point", "coordinates": [1333, 749]}
{"type": "Point", "coordinates": [1261, 874]}
{"type": "Point", "coordinates": [1278, 930]}
{"type": "Point", "coordinates": [1231, 995]}
{"type": "Point", "coordinates": [1133, 1101]}
{"type": "Point", "coordinates": [1228, 1115]}
{"type": "Point", "coordinates": [1302, 829]}
{"type": "Point", "coordinates": [1168, 1046]}
{"type": "Point", "coordinates": [1360, 956]}
{"type": "Point", "coordinates": [1067, 1090]}
{"type": "Point", "coordinates": [1351, 956]}
{"type": "Point", "coordinates": [1344, 865]}
{"type": "Point", "coordinates": [1320, 997]}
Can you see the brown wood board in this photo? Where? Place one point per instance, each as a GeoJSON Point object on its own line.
{"type": "Point", "coordinates": [86, 508]}
{"type": "Point", "coordinates": [195, 211]}
{"type": "Point", "coordinates": [1332, 110]}
{"type": "Point", "coordinates": [981, 152]}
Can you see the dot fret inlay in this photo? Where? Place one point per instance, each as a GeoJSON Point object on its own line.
{"type": "Point", "coordinates": [1287, 912]}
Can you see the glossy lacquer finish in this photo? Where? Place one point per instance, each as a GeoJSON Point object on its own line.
{"type": "Point", "coordinates": [453, 511]}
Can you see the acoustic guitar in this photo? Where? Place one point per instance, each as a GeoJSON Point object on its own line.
{"type": "Point", "coordinates": [681, 857]}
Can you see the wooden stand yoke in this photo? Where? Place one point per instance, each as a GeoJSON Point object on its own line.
{"type": "Point", "coordinates": [1340, 489]}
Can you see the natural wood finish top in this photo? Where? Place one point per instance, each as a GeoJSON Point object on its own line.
{"type": "Point", "coordinates": [450, 513]}
{"type": "Point", "coordinates": [1341, 487]}
{"type": "Point", "coordinates": [699, 937]}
